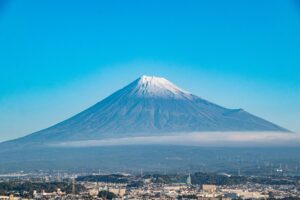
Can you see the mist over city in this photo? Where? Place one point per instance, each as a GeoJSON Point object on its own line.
{"type": "Point", "coordinates": [204, 139]}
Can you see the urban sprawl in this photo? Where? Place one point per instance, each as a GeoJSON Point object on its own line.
{"type": "Point", "coordinates": [198, 185]}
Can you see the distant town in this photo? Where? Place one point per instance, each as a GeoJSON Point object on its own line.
{"type": "Point", "coordinates": [58, 184]}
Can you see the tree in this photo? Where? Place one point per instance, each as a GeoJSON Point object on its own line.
{"type": "Point", "coordinates": [104, 194]}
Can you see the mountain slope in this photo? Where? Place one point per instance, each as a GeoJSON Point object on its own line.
{"type": "Point", "coordinates": [149, 105]}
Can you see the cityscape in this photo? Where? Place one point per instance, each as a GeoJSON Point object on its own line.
{"type": "Point", "coordinates": [198, 185]}
{"type": "Point", "coordinates": [150, 100]}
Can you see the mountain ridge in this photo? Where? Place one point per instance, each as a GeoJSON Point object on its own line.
{"type": "Point", "coordinates": [149, 105]}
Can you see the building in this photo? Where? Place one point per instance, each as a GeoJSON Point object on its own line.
{"type": "Point", "coordinates": [118, 191]}
{"type": "Point", "coordinates": [189, 180]}
{"type": "Point", "coordinates": [10, 197]}
{"type": "Point", "coordinates": [209, 188]}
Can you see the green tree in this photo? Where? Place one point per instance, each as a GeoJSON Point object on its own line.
{"type": "Point", "coordinates": [104, 194]}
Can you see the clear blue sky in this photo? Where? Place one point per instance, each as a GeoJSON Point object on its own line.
{"type": "Point", "coordinates": [59, 57]}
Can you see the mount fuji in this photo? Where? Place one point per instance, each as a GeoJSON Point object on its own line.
{"type": "Point", "coordinates": [149, 106]}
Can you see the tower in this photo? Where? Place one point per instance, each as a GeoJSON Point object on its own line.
{"type": "Point", "coordinates": [189, 180]}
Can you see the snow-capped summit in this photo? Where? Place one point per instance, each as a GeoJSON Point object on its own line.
{"type": "Point", "coordinates": [149, 105]}
{"type": "Point", "coordinates": [157, 87]}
